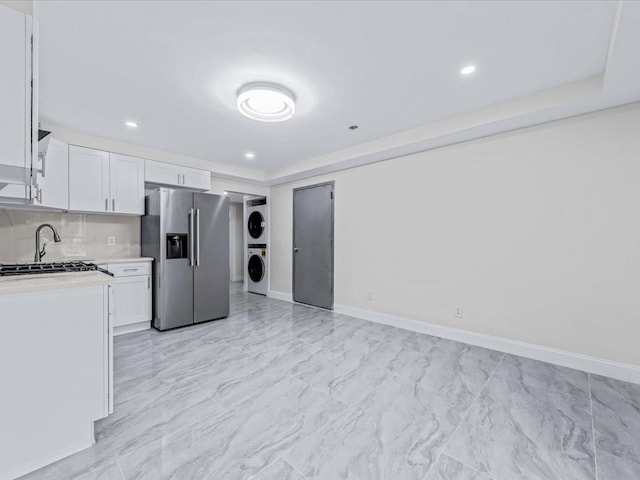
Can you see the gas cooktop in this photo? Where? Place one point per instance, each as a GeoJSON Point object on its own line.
{"type": "Point", "coordinates": [13, 269]}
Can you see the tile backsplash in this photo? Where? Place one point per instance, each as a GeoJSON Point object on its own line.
{"type": "Point", "coordinates": [84, 237]}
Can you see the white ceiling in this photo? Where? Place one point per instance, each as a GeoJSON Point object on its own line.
{"type": "Point", "coordinates": [389, 67]}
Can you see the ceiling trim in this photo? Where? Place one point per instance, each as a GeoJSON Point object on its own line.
{"type": "Point", "coordinates": [617, 85]}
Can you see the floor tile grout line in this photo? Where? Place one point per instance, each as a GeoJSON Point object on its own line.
{"type": "Point", "coordinates": [593, 429]}
{"type": "Point", "coordinates": [293, 466]}
{"type": "Point", "coordinates": [120, 469]}
{"type": "Point", "coordinates": [622, 459]}
{"type": "Point", "coordinates": [464, 417]}
{"type": "Point", "coordinates": [482, 474]}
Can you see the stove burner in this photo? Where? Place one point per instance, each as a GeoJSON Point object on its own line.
{"type": "Point", "coordinates": [13, 269]}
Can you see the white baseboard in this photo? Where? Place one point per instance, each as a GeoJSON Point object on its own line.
{"type": "Point", "coordinates": [578, 361]}
{"type": "Point", "coordinates": [287, 297]}
{"type": "Point", "coordinates": [54, 457]}
{"type": "Point", "coordinates": [134, 327]}
{"type": "Point", "coordinates": [586, 363]}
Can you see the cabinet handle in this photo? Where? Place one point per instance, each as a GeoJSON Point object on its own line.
{"type": "Point", "coordinates": [192, 260]}
{"type": "Point", "coordinates": [183, 179]}
{"type": "Point", "coordinates": [178, 179]}
{"type": "Point", "coordinates": [106, 204]}
{"type": "Point", "coordinates": [42, 157]}
{"type": "Point", "coordinates": [197, 237]}
{"type": "Point", "coordinates": [113, 204]}
{"type": "Point", "coordinates": [148, 283]}
{"type": "Point", "coordinates": [39, 196]}
{"type": "Point", "coordinates": [130, 269]}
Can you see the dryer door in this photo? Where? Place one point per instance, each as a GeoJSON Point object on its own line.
{"type": "Point", "coordinates": [256, 268]}
{"type": "Point", "coordinates": [255, 225]}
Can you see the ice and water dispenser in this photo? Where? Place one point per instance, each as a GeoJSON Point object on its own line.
{"type": "Point", "coordinates": [177, 245]}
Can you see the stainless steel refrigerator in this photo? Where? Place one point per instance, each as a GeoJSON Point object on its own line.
{"type": "Point", "coordinates": [187, 234]}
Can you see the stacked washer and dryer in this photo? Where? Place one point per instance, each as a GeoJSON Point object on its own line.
{"type": "Point", "coordinates": [257, 246]}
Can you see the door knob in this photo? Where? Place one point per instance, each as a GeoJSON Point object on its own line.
{"type": "Point", "coordinates": [296, 249]}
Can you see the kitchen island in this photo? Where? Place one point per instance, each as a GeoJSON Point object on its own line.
{"type": "Point", "coordinates": [55, 366]}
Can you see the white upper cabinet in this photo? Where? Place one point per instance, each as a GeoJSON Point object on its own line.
{"type": "Point", "coordinates": [15, 89]}
{"type": "Point", "coordinates": [101, 182]}
{"type": "Point", "coordinates": [126, 184]}
{"type": "Point", "coordinates": [196, 179]}
{"type": "Point", "coordinates": [88, 180]}
{"type": "Point", "coordinates": [160, 173]}
{"type": "Point", "coordinates": [52, 175]}
{"type": "Point", "coordinates": [18, 109]}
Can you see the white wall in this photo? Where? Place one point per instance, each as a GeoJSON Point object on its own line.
{"type": "Point", "coordinates": [24, 6]}
{"type": "Point", "coordinates": [535, 232]}
{"type": "Point", "coordinates": [236, 242]}
{"type": "Point", "coordinates": [219, 185]}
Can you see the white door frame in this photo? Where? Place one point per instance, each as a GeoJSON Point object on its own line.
{"type": "Point", "coordinates": [234, 244]}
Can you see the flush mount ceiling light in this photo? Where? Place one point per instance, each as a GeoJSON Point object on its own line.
{"type": "Point", "coordinates": [266, 102]}
{"type": "Point", "coordinates": [249, 155]}
{"type": "Point", "coordinates": [131, 124]}
{"type": "Point", "coordinates": [468, 70]}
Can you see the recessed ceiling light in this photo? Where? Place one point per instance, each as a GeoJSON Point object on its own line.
{"type": "Point", "coordinates": [468, 70]}
{"type": "Point", "coordinates": [225, 192]}
{"type": "Point", "coordinates": [266, 102]}
{"type": "Point", "coordinates": [131, 124]}
{"type": "Point", "coordinates": [249, 156]}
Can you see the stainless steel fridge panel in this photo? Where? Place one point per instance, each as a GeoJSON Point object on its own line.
{"type": "Point", "coordinates": [176, 276]}
{"type": "Point", "coordinates": [211, 273]}
{"type": "Point", "coordinates": [183, 293]}
{"type": "Point", "coordinates": [175, 206]}
{"type": "Point", "coordinates": [150, 245]}
{"type": "Point", "coordinates": [167, 213]}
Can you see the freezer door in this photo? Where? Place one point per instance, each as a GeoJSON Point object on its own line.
{"type": "Point", "coordinates": [211, 271]}
{"type": "Point", "coordinates": [174, 282]}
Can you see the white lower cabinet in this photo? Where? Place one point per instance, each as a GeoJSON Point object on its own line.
{"type": "Point", "coordinates": [55, 368]}
{"type": "Point", "coordinates": [132, 296]}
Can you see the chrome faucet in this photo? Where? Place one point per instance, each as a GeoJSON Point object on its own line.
{"type": "Point", "coordinates": [42, 253]}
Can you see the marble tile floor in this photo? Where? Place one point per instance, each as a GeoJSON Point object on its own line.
{"type": "Point", "coordinates": [279, 391]}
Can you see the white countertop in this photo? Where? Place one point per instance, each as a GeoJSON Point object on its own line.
{"type": "Point", "coordinates": [49, 281]}
{"type": "Point", "coordinates": [119, 260]}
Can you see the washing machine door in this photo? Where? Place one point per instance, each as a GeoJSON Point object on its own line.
{"type": "Point", "coordinates": [256, 268]}
{"type": "Point", "coordinates": [255, 224]}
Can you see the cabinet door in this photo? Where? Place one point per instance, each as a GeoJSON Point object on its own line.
{"type": "Point", "coordinates": [162, 173]}
{"type": "Point", "coordinates": [53, 363]}
{"type": "Point", "coordinates": [53, 175]}
{"type": "Point", "coordinates": [88, 180]}
{"type": "Point", "coordinates": [194, 178]}
{"type": "Point", "coordinates": [15, 103]}
{"type": "Point", "coordinates": [132, 300]}
{"type": "Point", "coordinates": [126, 184]}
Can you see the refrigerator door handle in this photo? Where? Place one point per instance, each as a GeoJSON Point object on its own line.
{"type": "Point", "coordinates": [191, 238]}
{"type": "Point", "coordinates": [197, 237]}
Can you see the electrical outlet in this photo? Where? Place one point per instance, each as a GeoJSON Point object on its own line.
{"type": "Point", "coordinates": [459, 312]}
{"type": "Point", "coordinates": [370, 296]}
{"type": "Point", "coordinates": [111, 241]}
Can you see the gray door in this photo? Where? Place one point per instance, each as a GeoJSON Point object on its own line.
{"type": "Point", "coordinates": [176, 275]}
{"type": "Point", "coordinates": [211, 273]}
{"type": "Point", "coordinates": [313, 245]}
